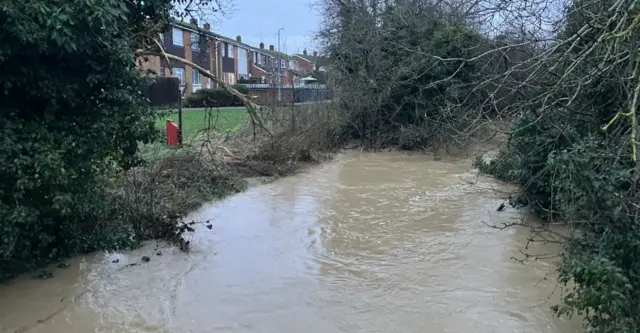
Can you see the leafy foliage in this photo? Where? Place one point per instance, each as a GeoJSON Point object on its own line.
{"type": "Point", "coordinates": [573, 171]}
{"type": "Point", "coordinates": [217, 97]}
{"type": "Point", "coordinates": [71, 111]}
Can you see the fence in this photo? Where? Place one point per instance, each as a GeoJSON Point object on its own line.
{"type": "Point", "coordinates": [267, 94]}
{"type": "Point", "coordinates": [163, 91]}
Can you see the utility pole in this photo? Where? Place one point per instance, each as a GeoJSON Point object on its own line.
{"type": "Point", "coordinates": [279, 62]}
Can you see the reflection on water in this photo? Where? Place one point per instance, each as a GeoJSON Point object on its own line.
{"type": "Point", "coordinates": [382, 242]}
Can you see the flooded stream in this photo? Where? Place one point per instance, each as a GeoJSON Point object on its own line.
{"type": "Point", "coordinates": [383, 242]}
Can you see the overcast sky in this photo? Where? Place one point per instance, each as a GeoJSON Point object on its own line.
{"type": "Point", "coordinates": [258, 21]}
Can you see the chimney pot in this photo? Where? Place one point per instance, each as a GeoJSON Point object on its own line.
{"type": "Point", "coordinates": [207, 26]}
{"type": "Point", "coordinates": [261, 46]}
{"type": "Point", "coordinates": [271, 47]}
{"type": "Point", "coordinates": [315, 53]}
{"type": "Point", "coordinates": [304, 52]}
{"type": "Point", "coordinates": [239, 39]}
{"type": "Point", "coordinates": [194, 22]}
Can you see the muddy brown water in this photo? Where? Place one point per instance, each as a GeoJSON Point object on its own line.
{"type": "Point", "coordinates": [383, 242]}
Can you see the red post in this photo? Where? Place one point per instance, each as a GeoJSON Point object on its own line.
{"type": "Point", "coordinates": [172, 133]}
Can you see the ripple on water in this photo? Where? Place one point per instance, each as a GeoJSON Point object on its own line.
{"type": "Point", "coordinates": [371, 243]}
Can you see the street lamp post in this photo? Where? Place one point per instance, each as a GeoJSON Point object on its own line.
{"type": "Point", "coordinates": [279, 62]}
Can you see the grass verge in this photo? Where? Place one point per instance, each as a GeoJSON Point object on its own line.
{"type": "Point", "coordinates": [194, 121]}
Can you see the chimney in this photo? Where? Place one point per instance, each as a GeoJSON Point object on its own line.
{"type": "Point", "coordinates": [207, 26]}
{"type": "Point", "coordinates": [194, 22]}
{"type": "Point", "coordinates": [315, 53]}
{"type": "Point", "coordinates": [271, 47]}
{"type": "Point", "coordinates": [239, 39]}
{"type": "Point", "coordinates": [304, 52]}
{"type": "Point", "coordinates": [261, 46]}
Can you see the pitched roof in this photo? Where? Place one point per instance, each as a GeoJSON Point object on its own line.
{"type": "Point", "coordinates": [320, 60]}
{"type": "Point", "coordinates": [193, 27]}
{"type": "Point", "coordinates": [274, 53]}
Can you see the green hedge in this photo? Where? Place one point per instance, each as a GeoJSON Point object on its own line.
{"type": "Point", "coordinates": [71, 112]}
{"type": "Point", "coordinates": [215, 98]}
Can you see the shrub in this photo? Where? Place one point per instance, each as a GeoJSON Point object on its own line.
{"type": "Point", "coordinates": [215, 98]}
{"type": "Point", "coordinates": [71, 111]}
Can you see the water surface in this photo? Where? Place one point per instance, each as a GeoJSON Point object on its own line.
{"type": "Point", "coordinates": [383, 242]}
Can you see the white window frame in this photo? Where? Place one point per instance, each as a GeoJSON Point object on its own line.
{"type": "Point", "coordinates": [283, 63]}
{"type": "Point", "coordinates": [195, 44]}
{"type": "Point", "coordinates": [292, 64]}
{"type": "Point", "coordinates": [230, 51]}
{"type": "Point", "coordinates": [179, 73]}
{"type": "Point", "coordinates": [161, 36]}
{"type": "Point", "coordinates": [177, 35]}
{"type": "Point", "coordinates": [195, 75]}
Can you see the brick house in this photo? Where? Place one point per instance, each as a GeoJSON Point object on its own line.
{"type": "Point", "coordinates": [261, 65]}
{"type": "Point", "coordinates": [266, 63]}
{"type": "Point", "coordinates": [228, 59]}
{"type": "Point", "coordinates": [305, 64]}
{"type": "Point", "coordinates": [311, 63]}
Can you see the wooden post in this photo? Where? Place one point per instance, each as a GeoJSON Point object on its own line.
{"type": "Point", "coordinates": [180, 121]}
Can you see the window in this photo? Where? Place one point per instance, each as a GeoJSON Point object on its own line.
{"type": "Point", "coordinates": [195, 41]}
{"type": "Point", "coordinates": [230, 51]}
{"type": "Point", "coordinates": [209, 83]}
{"type": "Point", "coordinates": [256, 58]}
{"type": "Point", "coordinates": [243, 61]}
{"type": "Point", "coordinates": [196, 78]}
{"type": "Point", "coordinates": [242, 53]}
{"type": "Point", "coordinates": [283, 63]}
{"type": "Point", "coordinates": [179, 73]}
{"type": "Point", "coordinates": [161, 37]}
{"type": "Point", "coordinates": [292, 64]}
{"type": "Point", "coordinates": [177, 37]}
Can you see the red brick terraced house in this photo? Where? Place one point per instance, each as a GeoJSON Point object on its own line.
{"type": "Point", "coordinates": [306, 66]}
{"type": "Point", "coordinates": [228, 59]}
{"type": "Point", "coordinates": [267, 63]}
{"type": "Point", "coordinates": [311, 63]}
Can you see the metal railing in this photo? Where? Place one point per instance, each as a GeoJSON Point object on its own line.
{"type": "Point", "coordinates": [284, 86]}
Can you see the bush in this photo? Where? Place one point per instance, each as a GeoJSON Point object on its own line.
{"type": "Point", "coordinates": [71, 112]}
{"type": "Point", "coordinates": [215, 98]}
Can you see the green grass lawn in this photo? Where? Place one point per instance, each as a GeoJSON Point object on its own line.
{"type": "Point", "coordinates": [194, 121]}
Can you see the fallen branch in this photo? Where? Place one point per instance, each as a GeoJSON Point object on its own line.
{"type": "Point", "coordinates": [252, 108]}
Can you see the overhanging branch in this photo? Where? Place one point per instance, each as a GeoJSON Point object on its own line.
{"type": "Point", "coordinates": [252, 108]}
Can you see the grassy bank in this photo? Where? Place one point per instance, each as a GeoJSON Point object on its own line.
{"type": "Point", "coordinates": [194, 121]}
